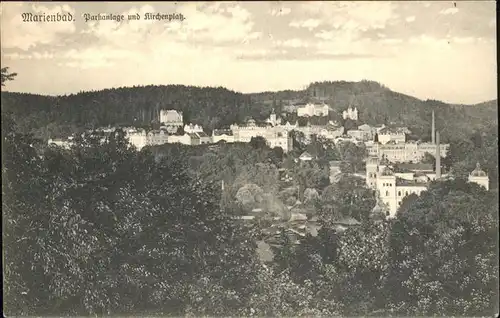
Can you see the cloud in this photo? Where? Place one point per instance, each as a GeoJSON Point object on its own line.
{"type": "Point", "coordinates": [280, 12]}
{"type": "Point", "coordinates": [410, 19]}
{"type": "Point", "coordinates": [464, 40]}
{"type": "Point", "coordinates": [449, 11]}
{"type": "Point", "coordinates": [294, 43]}
{"type": "Point", "coordinates": [310, 24]}
{"type": "Point", "coordinates": [390, 41]}
{"type": "Point", "coordinates": [353, 16]}
{"type": "Point", "coordinates": [430, 42]}
{"type": "Point", "coordinates": [297, 55]}
{"type": "Point", "coordinates": [237, 26]}
{"type": "Point", "coordinates": [204, 28]}
{"type": "Point", "coordinates": [219, 23]}
{"type": "Point", "coordinates": [25, 35]}
{"type": "Point", "coordinates": [325, 35]}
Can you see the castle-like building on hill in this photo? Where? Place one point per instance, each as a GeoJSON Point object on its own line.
{"type": "Point", "coordinates": [350, 113]}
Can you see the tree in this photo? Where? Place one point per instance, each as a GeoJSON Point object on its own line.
{"type": "Point", "coordinates": [349, 197]}
{"type": "Point", "coordinates": [100, 229]}
{"type": "Point", "coordinates": [258, 142]}
{"type": "Point", "coordinates": [443, 254]}
{"type": "Point", "coordinates": [6, 76]}
{"type": "Point", "coordinates": [353, 155]}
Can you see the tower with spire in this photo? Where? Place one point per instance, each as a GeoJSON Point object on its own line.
{"type": "Point", "coordinates": [480, 177]}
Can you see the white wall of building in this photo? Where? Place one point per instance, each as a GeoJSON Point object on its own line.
{"type": "Point", "coordinates": [310, 110]}
{"type": "Point", "coordinates": [350, 113]}
{"type": "Point", "coordinates": [192, 128]}
{"type": "Point", "coordinates": [404, 152]}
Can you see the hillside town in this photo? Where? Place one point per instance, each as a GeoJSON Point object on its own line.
{"type": "Point", "coordinates": [387, 147]}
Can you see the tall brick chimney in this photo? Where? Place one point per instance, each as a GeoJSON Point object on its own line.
{"type": "Point", "coordinates": [433, 129]}
{"type": "Point", "coordinates": [438, 157]}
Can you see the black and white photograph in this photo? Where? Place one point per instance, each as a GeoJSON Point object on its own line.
{"type": "Point", "coordinates": [249, 159]}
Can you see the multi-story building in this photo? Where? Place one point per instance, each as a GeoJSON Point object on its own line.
{"type": "Point", "coordinates": [361, 134]}
{"type": "Point", "coordinates": [140, 138]}
{"type": "Point", "coordinates": [193, 128]}
{"type": "Point", "coordinates": [275, 136]}
{"type": "Point", "coordinates": [171, 119]}
{"type": "Point", "coordinates": [395, 135]}
{"type": "Point", "coordinates": [394, 185]}
{"type": "Point", "coordinates": [204, 138]}
{"type": "Point", "coordinates": [222, 135]}
{"type": "Point", "coordinates": [273, 120]}
{"type": "Point", "coordinates": [310, 110]}
{"type": "Point", "coordinates": [413, 151]}
{"type": "Point", "coordinates": [191, 139]}
{"type": "Point", "coordinates": [350, 113]}
{"type": "Point", "coordinates": [185, 139]}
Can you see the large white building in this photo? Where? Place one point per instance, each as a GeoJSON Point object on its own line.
{"type": "Point", "coordinates": [395, 135]}
{"type": "Point", "coordinates": [394, 185]}
{"type": "Point", "coordinates": [392, 145]}
{"type": "Point", "coordinates": [140, 138]}
{"type": "Point", "coordinates": [412, 151]}
{"type": "Point", "coordinates": [310, 110]}
{"type": "Point", "coordinates": [275, 136]}
{"type": "Point", "coordinates": [225, 135]}
{"type": "Point", "coordinates": [191, 139]}
{"type": "Point", "coordinates": [193, 128]}
{"type": "Point", "coordinates": [350, 113]}
{"type": "Point", "coordinates": [171, 119]}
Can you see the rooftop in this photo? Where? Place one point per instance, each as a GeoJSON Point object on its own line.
{"type": "Point", "coordinates": [202, 134]}
{"type": "Point", "coordinates": [219, 132]}
{"type": "Point", "coordinates": [478, 172]}
{"type": "Point", "coordinates": [410, 183]}
{"type": "Point", "coordinates": [410, 167]}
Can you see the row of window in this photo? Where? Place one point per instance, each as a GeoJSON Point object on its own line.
{"type": "Point", "coordinates": [399, 193]}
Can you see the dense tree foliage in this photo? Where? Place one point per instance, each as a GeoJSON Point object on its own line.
{"type": "Point", "coordinates": [353, 157]}
{"type": "Point", "coordinates": [349, 197]}
{"type": "Point", "coordinates": [444, 253]}
{"type": "Point", "coordinates": [87, 223]}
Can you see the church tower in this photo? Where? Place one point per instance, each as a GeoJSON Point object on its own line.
{"type": "Point", "coordinates": [480, 177]}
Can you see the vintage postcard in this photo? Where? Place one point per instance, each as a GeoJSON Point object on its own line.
{"type": "Point", "coordinates": [236, 159]}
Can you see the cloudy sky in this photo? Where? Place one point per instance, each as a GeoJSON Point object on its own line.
{"type": "Point", "coordinates": [440, 50]}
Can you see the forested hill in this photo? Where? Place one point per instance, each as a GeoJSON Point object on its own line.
{"type": "Point", "coordinates": [211, 107]}
{"type": "Point", "coordinates": [216, 107]}
{"type": "Point", "coordinates": [378, 104]}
